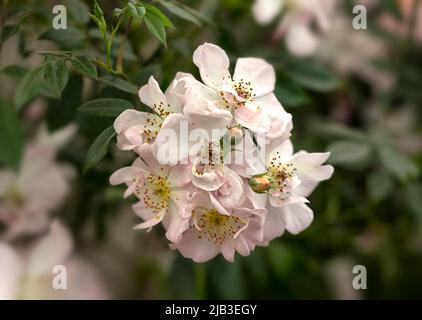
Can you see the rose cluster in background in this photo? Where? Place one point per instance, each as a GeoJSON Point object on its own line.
{"type": "Point", "coordinates": [208, 204]}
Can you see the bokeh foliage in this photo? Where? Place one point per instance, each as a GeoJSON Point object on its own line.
{"type": "Point", "coordinates": [369, 213]}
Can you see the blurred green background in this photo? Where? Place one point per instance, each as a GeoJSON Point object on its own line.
{"type": "Point", "coordinates": [359, 97]}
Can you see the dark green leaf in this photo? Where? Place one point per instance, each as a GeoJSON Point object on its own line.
{"type": "Point", "coordinates": [119, 84]}
{"type": "Point", "coordinates": [69, 38]}
{"type": "Point", "coordinates": [156, 27]}
{"type": "Point", "coordinates": [15, 71]}
{"type": "Point", "coordinates": [179, 11]}
{"type": "Point", "coordinates": [99, 148]}
{"type": "Point", "coordinates": [7, 32]}
{"type": "Point", "coordinates": [312, 76]}
{"type": "Point", "coordinates": [105, 107]}
{"type": "Point", "coordinates": [291, 95]}
{"type": "Point", "coordinates": [85, 66]}
{"type": "Point", "coordinates": [11, 136]}
{"type": "Point", "coordinates": [62, 112]}
{"type": "Point", "coordinates": [54, 77]}
{"type": "Point", "coordinates": [151, 10]}
{"type": "Point", "coordinates": [28, 88]}
{"type": "Point", "coordinates": [78, 10]}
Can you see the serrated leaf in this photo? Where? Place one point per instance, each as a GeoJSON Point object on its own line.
{"type": "Point", "coordinates": [348, 152]}
{"type": "Point", "coordinates": [84, 66]}
{"type": "Point", "coordinates": [179, 11]}
{"type": "Point", "coordinates": [99, 148]}
{"type": "Point", "coordinates": [11, 136]}
{"type": "Point", "coordinates": [28, 88]}
{"type": "Point", "coordinates": [119, 84]}
{"type": "Point", "coordinates": [107, 107]}
{"type": "Point", "coordinates": [7, 32]}
{"type": "Point", "coordinates": [156, 27]}
{"type": "Point", "coordinates": [54, 78]}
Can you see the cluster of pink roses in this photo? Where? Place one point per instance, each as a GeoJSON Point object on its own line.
{"type": "Point", "coordinates": [208, 203]}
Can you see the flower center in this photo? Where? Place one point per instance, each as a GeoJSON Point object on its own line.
{"type": "Point", "coordinates": [152, 127]}
{"type": "Point", "coordinates": [243, 90]}
{"type": "Point", "coordinates": [14, 198]}
{"type": "Point", "coordinates": [217, 227]}
{"type": "Point", "coordinates": [244, 93]}
{"type": "Point", "coordinates": [163, 110]}
{"type": "Point", "coordinates": [156, 192]}
{"type": "Point", "coordinates": [281, 174]}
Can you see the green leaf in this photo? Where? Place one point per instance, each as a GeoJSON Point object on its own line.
{"type": "Point", "coordinates": [137, 12]}
{"type": "Point", "coordinates": [15, 71]}
{"type": "Point", "coordinates": [62, 112]}
{"type": "Point", "coordinates": [69, 38]}
{"type": "Point", "coordinates": [99, 148]}
{"type": "Point", "coordinates": [84, 66]}
{"type": "Point", "coordinates": [379, 184]}
{"type": "Point", "coordinates": [312, 76]}
{"type": "Point", "coordinates": [348, 152]}
{"type": "Point", "coordinates": [28, 88]}
{"type": "Point", "coordinates": [180, 11]}
{"type": "Point", "coordinates": [156, 27]}
{"type": "Point", "coordinates": [99, 19]}
{"type": "Point", "coordinates": [413, 199]}
{"type": "Point", "coordinates": [54, 77]}
{"type": "Point", "coordinates": [291, 95]}
{"type": "Point", "coordinates": [11, 136]}
{"type": "Point", "coordinates": [399, 165]}
{"type": "Point", "coordinates": [7, 32]}
{"type": "Point", "coordinates": [117, 12]}
{"type": "Point", "coordinates": [78, 10]}
{"type": "Point", "coordinates": [119, 84]}
{"type": "Point", "coordinates": [339, 131]}
{"type": "Point", "coordinates": [151, 10]}
{"type": "Point", "coordinates": [106, 107]}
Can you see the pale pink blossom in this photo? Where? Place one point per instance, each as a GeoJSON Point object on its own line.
{"type": "Point", "coordinates": [248, 96]}
{"type": "Point", "coordinates": [27, 273]}
{"type": "Point", "coordinates": [214, 230]}
{"type": "Point", "coordinates": [39, 187]}
{"type": "Point", "coordinates": [161, 192]}
{"type": "Point", "coordinates": [297, 20]}
{"type": "Point", "coordinates": [288, 180]}
{"type": "Point", "coordinates": [137, 128]}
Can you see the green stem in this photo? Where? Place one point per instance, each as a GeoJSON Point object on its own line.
{"type": "Point", "coordinates": [109, 43]}
{"type": "Point", "coordinates": [201, 281]}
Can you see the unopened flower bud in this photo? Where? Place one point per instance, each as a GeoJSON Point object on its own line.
{"type": "Point", "coordinates": [260, 184]}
